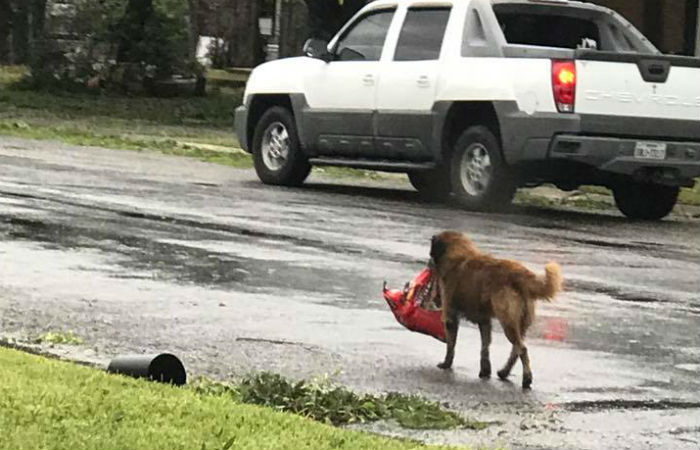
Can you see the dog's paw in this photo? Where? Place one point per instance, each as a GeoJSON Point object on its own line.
{"type": "Point", "coordinates": [445, 366]}
{"type": "Point", "coordinates": [527, 382]}
{"type": "Point", "coordinates": [503, 374]}
{"type": "Point", "coordinates": [485, 371]}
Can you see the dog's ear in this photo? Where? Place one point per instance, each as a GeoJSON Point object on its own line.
{"type": "Point", "coordinates": [437, 248]}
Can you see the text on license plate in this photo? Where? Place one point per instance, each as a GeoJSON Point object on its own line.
{"type": "Point", "coordinates": [650, 150]}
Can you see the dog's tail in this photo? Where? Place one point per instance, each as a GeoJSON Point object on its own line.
{"type": "Point", "coordinates": [548, 286]}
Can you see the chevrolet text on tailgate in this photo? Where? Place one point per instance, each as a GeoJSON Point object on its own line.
{"type": "Point", "coordinates": [475, 98]}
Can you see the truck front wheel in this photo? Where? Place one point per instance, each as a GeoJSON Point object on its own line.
{"type": "Point", "coordinates": [277, 155]}
{"type": "Point", "coordinates": [480, 178]}
{"type": "Point", "coordinates": [645, 201]}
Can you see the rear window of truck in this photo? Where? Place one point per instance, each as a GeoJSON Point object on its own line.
{"type": "Point", "coordinates": [547, 30]}
{"type": "Point", "coordinates": [567, 27]}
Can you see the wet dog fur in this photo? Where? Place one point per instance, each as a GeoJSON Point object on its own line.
{"type": "Point", "coordinates": [479, 287]}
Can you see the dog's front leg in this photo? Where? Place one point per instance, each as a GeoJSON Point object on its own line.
{"type": "Point", "coordinates": [451, 322]}
{"type": "Point", "coordinates": [450, 319]}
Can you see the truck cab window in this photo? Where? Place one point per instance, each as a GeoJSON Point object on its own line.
{"type": "Point", "coordinates": [422, 34]}
{"type": "Point", "coordinates": [364, 41]}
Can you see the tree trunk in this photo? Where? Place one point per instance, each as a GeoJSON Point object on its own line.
{"type": "Point", "coordinates": [245, 44]}
{"type": "Point", "coordinates": [21, 33]}
{"type": "Point", "coordinates": [6, 15]}
{"type": "Point", "coordinates": [691, 26]}
{"type": "Point", "coordinates": [193, 28]}
{"type": "Point", "coordinates": [38, 47]}
{"type": "Point", "coordinates": [294, 27]}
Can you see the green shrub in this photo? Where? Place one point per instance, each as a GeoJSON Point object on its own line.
{"type": "Point", "coordinates": [119, 45]}
{"type": "Point", "coordinates": [329, 403]}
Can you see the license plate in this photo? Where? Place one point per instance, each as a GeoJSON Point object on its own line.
{"type": "Point", "coordinates": [650, 150]}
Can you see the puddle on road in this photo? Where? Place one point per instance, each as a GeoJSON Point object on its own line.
{"type": "Point", "coordinates": [609, 405]}
{"type": "Point", "coordinates": [616, 293]}
{"type": "Point", "coordinates": [217, 264]}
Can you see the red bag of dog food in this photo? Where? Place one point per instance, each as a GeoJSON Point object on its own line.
{"type": "Point", "coordinates": [415, 306]}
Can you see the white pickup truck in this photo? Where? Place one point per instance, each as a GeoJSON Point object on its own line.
{"type": "Point", "coordinates": [475, 98]}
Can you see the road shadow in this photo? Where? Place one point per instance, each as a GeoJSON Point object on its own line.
{"type": "Point", "coordinates": [460, 386]}
{"type": "Point", "coordinates": [375, 192]}
{"type": "Point", "coordinates": [565, 218]}
{"type": "Point", "coordinates": [543, 216]}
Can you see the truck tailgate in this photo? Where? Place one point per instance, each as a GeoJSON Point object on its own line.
{"type": "Point", "coordinates": [638, 85]}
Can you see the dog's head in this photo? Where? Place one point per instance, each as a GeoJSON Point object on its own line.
{"type": "Point", "coordinates": [441, 245]}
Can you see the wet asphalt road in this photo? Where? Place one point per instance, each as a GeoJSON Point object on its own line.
{"type": "Point", "coordinates": [139, 252]}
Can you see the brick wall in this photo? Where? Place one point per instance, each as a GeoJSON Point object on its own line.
{"type": "Point", "coordinates": [662, 21]}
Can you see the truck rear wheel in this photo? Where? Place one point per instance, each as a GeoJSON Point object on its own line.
{"type": "Point", "coordinates": [277, 155]}
{"type": "Point", "coordinates": [645, 201]}
{"type": "Point", "coordinates": [479, 176]}
{"type": "Point", "coordinates": [431, 184]}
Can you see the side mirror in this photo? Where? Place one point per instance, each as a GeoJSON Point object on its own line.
{"type": "Point", "coordinates": [317, 49]}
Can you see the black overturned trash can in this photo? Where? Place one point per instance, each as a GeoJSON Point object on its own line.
{"type": "Point", "coordinates": [163, 368]}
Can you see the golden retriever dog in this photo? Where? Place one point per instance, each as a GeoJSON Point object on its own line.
{"type": "Point", "coordinates": [479, 287]}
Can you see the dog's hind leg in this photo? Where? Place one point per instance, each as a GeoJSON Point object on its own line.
{"type": "Point", "coordinates": [514, 353]}
{"type": "Point", "coordinates": [485, 330]}
{"type": "Point", "coordinates": [505, 306]}
{"type": "Point", "coordinates": [526, 321]}
{"type": "Point", "coordinates": [519, 350]}
{"type": "Point", "coordinates": [527, 372]}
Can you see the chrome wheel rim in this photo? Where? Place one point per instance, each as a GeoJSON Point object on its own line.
{"type": "Point", "coordinates": [275, 146]}
{"type": "Point", "coordinates": [476, 169]}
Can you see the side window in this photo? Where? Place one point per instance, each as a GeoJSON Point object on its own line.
{"type": "Point", "coordinates": [422, 34]}
{"type": "Point", "coordinates": [364, 41]}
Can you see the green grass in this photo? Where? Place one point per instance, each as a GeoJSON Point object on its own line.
{"type": "Point", "coordinates": [47, 404]}
{"type": "Point", "coordinates": [690, 196]}
{"type": "Point", "coordinates": [59, 337]}
{"type": "Point", "coordinates": [584, 201]}
{"type": "Point", "coordinates": [200, 128]}
{"type": "Point", "coordinates": [115, 120]}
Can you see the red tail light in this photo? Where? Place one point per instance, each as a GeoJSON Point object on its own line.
{"type": "Point", "coordinates": [564, 85]}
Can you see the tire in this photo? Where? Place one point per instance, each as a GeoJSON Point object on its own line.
{"type": "Point", "coordinates": [277, 155]}
{"type": "Point", "coordinates": [432, 185]}
{"type": "Point", "coordinates": [645, 201]}
{"type": "Point", "coordinates": [480, 178]}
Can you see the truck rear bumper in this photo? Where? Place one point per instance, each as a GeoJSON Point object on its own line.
{"type": "Point", "coordinates": [617, 155]}
{"type": "Point", "coordinates": [606, 143]}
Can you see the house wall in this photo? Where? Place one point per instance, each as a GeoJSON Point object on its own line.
{"type": "Point", "coordinates": [664, 22]}
{"type": "Point", "coordinates": [672, 25]}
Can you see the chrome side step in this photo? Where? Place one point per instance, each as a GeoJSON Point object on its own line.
{"type": "Point", "coordinates": [369, 164]}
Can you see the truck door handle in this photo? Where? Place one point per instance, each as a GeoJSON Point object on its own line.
{"type": "Point", "coordinates": [423, 81]}
{"type": "Point", "coordinates": [368, 80]}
